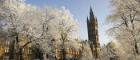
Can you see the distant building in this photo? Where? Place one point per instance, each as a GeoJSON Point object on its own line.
{"type": "Point", "coordinates": [93, 38]}
{"type": "Point", "coordinates": [67, 53]}
{"type": "Point", "coordinates": [9, 49]}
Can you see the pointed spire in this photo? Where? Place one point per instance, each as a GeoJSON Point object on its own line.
{"type": "Point", "coordinates": [92, 17]}
{"type": "Point", "coordinates": [91, 12]}
{"type": "Point", "coordinates": [91, 9]}
{"type": "Point", "coordinates": [87, 21]}
{"type": "Point", "coordinates": [96, 21]}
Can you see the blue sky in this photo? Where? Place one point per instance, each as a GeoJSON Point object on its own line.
{"type": "Point", "coordinates": [80, 10]}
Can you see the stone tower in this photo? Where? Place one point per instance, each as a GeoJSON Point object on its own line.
{"type": "Point", "coordinates": [93, 38]}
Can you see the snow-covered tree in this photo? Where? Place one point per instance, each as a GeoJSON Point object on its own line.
{"type": "Point", "coordinates": [17, 17]}
{"type": "Point", "coordinates": [40, 25]}
{"type": "Point", "coordinates": [125, 20]}
{"type": "Point", "coordinates": [62, 30]}
{"type": "Point", "coordinates": [86, 52]}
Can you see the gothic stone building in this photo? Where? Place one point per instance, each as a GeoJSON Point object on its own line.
{"type": "Point", "coordinates": [93, 37]}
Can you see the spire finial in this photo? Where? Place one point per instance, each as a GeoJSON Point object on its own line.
{"type": "Point", "coordinates": [91, 9]}
{"type": "Point", "coordinates": [91, 12]}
